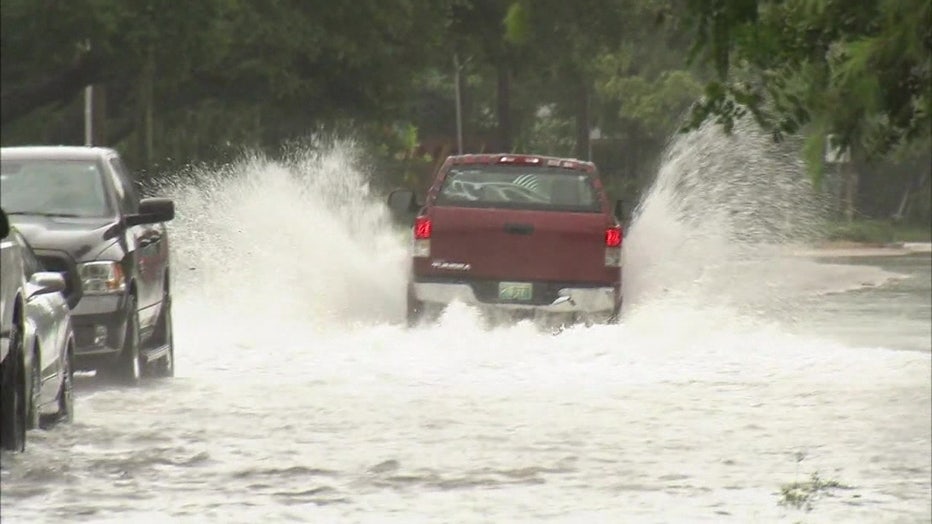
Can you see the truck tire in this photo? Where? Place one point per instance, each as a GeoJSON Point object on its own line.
{"type": "Point", "coordinates": [12, 395]}
{"type": "Point", "coordinates": [33, 394]}
{"type": "Point", "coordinates": [65, 393]}
{"type": "Point", "coordinates": [415, 313]}
{"type": "Point", "coordinates": [165, 366]}
{"type": "Point", "coordinates": [128, 366]}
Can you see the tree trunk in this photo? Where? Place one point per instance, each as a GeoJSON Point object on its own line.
{"type": "Point", "coordinates": [851, 190]}
{"type": "Point", "coordinates": [504, 107]}
{"type": "Point", "coordinates": [146, 95]}
{"type": "Point", "coordinates": [915, 185]}
{"type": "Point", "coordinates": [582, 121]}
{"type": "Point", "coordinates": [466, 108]}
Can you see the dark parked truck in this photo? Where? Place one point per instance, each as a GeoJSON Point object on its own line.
{"type": "Point", "coordinates": [79, 209]}
{"type": "Point", "coordinates": [526, 235]}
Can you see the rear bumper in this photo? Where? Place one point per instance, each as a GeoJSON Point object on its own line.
{"type": "Point", "coordinates": [568, 299]}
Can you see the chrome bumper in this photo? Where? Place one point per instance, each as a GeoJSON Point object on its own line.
{"type": "Point", "coordinates": [569, 300]}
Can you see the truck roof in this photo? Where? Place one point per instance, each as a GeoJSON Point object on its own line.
{"type": "Point", "coordinates": [55, 152]}
{"type": "Point", "coordinates": [523, 160]}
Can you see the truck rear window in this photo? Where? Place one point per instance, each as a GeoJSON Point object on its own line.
{"type": "Point", "coordinates": [516, 187]}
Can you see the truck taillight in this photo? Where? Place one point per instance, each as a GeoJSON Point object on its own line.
{"type": "Point", "coordinates": [422, 228]}
{"type": "Point", "coordinates": [613, 237]}
{"type": "Point", "coordinates": [422, 231]}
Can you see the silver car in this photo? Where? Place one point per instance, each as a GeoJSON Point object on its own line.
{"type": "Point", "coordinates": [47, 351]}
{"type": "Point", "coordinates": [12, 385]}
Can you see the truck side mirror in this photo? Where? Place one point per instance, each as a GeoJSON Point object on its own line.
{"type": "Point", "coordinates": [151, 211]}
{"type": "Point", "coordinates": [44, 282]}
{"type": "Point", "coordinates": [401, 202]}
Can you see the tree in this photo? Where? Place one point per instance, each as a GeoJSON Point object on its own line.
{"type": "Point", "coordinates": [568, 39]}
{"type": "Point", "coordinates": [858, 71]}
{"type": "Point", "coordinates": [477, 34]}
{"type": "Point", "coordinates": [183, 79]}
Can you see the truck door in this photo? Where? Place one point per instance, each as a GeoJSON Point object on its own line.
{"type": "Point", "coordinates": [145, 243]}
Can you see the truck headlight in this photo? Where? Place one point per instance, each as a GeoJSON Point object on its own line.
{"type": "Point", "coordinates": [102, 278]}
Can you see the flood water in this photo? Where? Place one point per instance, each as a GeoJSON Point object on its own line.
{"type": "Point", "coordinates": [300, 397]}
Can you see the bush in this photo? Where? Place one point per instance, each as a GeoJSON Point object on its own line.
{"type": "Point", "coordinates": [878, 232]}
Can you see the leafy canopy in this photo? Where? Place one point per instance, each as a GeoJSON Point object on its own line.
{"type": "Point", "coordinates": [858, 71]}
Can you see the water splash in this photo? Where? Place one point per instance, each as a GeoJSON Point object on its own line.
{"type": "Point", "coordinates": [305, 239]}
{"type": "Point", "coordinates": [719, 220]}
{"type": "Point", "coordinates": [302, 238]}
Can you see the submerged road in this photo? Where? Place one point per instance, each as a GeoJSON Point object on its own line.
{"type": "Point", "coordinates": [679, 414]}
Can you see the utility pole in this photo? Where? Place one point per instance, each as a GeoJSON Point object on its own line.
{"type": "Point", "coordinates": [459, 109]}
{"type": "Point", "coordinates": [88, 109]}
{"type": "Point", "coordinates": [148, 112]}
{"type": "Point", "coordinates": [89, 115]}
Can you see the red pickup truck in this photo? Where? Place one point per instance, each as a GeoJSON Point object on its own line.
{"type": "Point", "coordinates": [524, 234]}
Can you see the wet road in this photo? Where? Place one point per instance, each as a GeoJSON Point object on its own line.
{"type": "Point", "coordinates": [676, 415]}
{"type": "Point", "coordinates": [896, 315]}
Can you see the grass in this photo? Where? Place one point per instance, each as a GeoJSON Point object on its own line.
{"type": "Point", "coordinates": [873, 231]}
{"type": "Point", "coordinates": [801, 495]}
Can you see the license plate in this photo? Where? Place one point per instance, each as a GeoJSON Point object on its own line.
{"type": "Point", "coordinates": [515, 291]}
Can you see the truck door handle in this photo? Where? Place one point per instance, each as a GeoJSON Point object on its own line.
{"type": "Point", "coordinates": [519, 229]}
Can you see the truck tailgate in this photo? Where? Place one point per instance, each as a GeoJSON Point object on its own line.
{"type": "Point", "coordinates": [525, 245]}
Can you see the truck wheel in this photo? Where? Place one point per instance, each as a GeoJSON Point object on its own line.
{"type": "Point", "coordinates": [165, 366]}
{"type": "Point", "coordinates": [413, 308]}
{"type": "Point", "coordinates": [616, 314]}
{"type": "Point", "coordinates": [415, 313]}
{"type": "Point", "coordinates": [128, 367]}
{"type": "Point", "coordinates": [65, 394]}
{"type": "Point", "coordinates": [12, 396]}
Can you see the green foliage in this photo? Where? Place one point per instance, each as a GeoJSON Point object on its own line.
{"type": "Point", "coordinates": [228, 74]}
{"type": "Point", "coordinates": [814, 154]}
{"type": "Point", "coordinates": [655, 104]}
{"type": "Point", "coordinates": [878, 232]}
{"type": "Point", "coordinates": [858, 70]}
{"type": "Point", "coordinates": [517, 23]}
{"type": "Point", "coordinates": [224, 70]}
{"type": "Point", "coordinates": [218, 76]}
{"type": "Point", "coordinates": [801, 495]}
{"type": "Point", "coordinates": [550, 134]}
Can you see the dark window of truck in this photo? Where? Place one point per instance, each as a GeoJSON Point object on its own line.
{"type": "Point", "coordinates": [68, 188]}
{"type": "Point", "coordinates": [516, 187]}
{"type": "Point", "coordinates": [129, 200]}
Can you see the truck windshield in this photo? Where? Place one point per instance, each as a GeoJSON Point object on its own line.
{"type": "Point", "coordinates": [517, 187]}
{"type": "Point", "coordinates": [53, 187]}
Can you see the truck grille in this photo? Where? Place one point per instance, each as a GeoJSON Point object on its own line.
{"type": "Point", "coordinates": [62, 263]}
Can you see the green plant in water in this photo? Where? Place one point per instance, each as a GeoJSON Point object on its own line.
{"type": "Point", "coordinates": [801, 495]}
